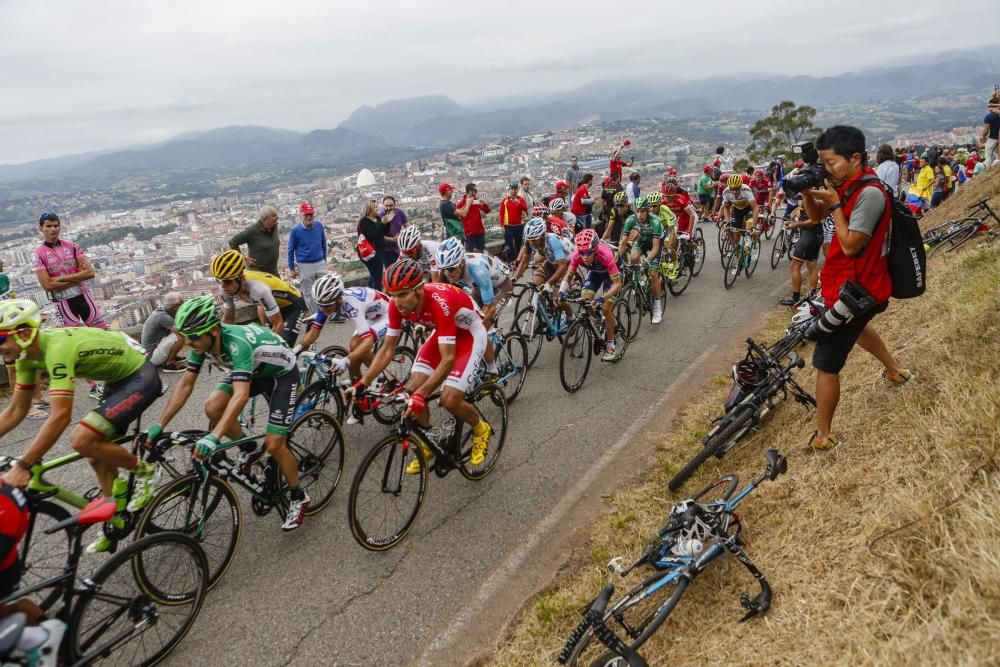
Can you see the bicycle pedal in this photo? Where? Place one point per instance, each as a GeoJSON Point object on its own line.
{"type": "Point", "coordinates": [617, 565]}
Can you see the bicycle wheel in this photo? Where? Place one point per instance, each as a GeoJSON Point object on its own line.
{"type": "Point", "coordinates": [491, 404]}
{"type": "Point", "coordinates": [314, 373]}
{"type": "Point", "coordinates": [754, 257]}
{"type": "Point", "coordinates": [320, 396]}
{"type": "Point", "coordinates": [631, 297]}
{"type": "Point", "coordinates": [962, 237]}
{"type": "Point", "coordinates": [385, 500]}
{"type": "Point", "coordinates": [772, 222]}
{"type": "Point", "coordinates": [530, 325]}
{"type": "Point", "coordinates": [698, 238]}
{"type": "Point", "coordinates": [121, 618]}
{"type": "Point", "coordinates": [726, 244]}
{"type": "Point", "coordinates": [394, 377]}
{"type": "Point", "coordinates": [512, 360]}
{"type": "Point", "coordinates": [683, 279]}
{"type": "Point", "coordinates": [733, 266]}
{"type": "Point", "coordinates": [317, 442]}
{"type": "Point", "coordinates": [719, 440]}
{"type": "Point", "coordinates": [44, 556]}
{"type": "Point", "coordinates": [623, 317]}
{"type": "Point", "coordinates": [778, 249]}
{"type": "Point", "coordinates": [574, 358]}
{"type": "Point", "coordinates": [210, 513]}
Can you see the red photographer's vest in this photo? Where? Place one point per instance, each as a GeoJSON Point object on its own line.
{"type": "Point", "coordinates": [869, 267]}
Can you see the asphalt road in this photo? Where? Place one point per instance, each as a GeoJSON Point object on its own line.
{"type": "Point", "coordinates": [314, 597]}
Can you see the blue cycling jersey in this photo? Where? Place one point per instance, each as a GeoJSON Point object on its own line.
{"type": "Point", "coordinates": [553, 249]}
{"type": "Point", "coordinates": [485, 272]}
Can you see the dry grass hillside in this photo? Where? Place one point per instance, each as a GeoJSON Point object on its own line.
{"type": "Point", "coordinates": [885, 551]}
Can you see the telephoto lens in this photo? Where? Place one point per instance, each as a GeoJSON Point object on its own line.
{"type": "Point", "coordinates": [832, 318]}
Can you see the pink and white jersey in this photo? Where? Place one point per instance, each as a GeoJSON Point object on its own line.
{"type": "Point", "coordinates": [61, 259]}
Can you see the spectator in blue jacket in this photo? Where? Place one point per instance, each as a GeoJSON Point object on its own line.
{"type": "Point", "coordinates": [307, 252]}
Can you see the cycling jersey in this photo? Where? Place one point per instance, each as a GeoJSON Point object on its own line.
{"type": "Point", "coordinates": [616, 219]}
{"type": "Point", "coordinates": [604, 261]}
{"type": "Point", "coordinates": [266, 290]}
{"type": "Point", "coordinates": [248, 351]}
{"type": "Point", "coordinates": [740, 199]}
{"type": "Point", "coordinates": [553, 249]}
{"type": "Point", "coordinates": [667, 219]}
{"type": "Point", "coordinates": [426, 257]}
{"type": "Point", "coordinates": [761, 190]}
{"type": "Point", "coordinates": [679, 207]}
{"type": "Point", "coordinates": [649, 230]}
{"type": "Point", "coordinates": [92, 354]}
{"type": "Point", "coordinates": [368, 309]}
{"type": "Point", "coordinates": [74, 303]}
{"type": "Point", "coordinates": [484, 272]}
{"type": "Point", "coordinates": [557, 225]}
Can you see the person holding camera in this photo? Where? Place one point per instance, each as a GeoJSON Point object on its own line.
{"type": "Point", "coordinates": [855, 279]}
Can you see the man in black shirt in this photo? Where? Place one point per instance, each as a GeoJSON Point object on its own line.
{"type": "Point", "coordinates": [449, 216]}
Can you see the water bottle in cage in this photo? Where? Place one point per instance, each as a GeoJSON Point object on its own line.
{"type": "Point", "coordinates": [687, 548]}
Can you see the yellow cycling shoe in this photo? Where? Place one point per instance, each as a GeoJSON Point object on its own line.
{"type": "Point", "coordinates": [414, 466]}
{"type": "Point", "coordinates": [480, 440]}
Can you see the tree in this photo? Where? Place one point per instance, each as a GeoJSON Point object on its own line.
{"type": "Point", "coordinates": [776, 133]}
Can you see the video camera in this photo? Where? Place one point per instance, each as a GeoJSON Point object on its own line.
{"type": "Point", "coordinates": [813, 175]}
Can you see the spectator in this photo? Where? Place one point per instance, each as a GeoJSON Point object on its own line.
{"type": "Point", "coordinates": [562, 191]}
{"type": "Point", "coordinates": [979, 168]}
{"type": "Point", "coordinates": [608, 191]}
{"type": "Point", "coordinates": [920, 192]}
{"type": "Point", "coordinates": [632, 189]}
{"type": "Point", "coordinates": [525, 192]}
{"type": "Point", "coordinates": [394, 219]}
{"type": "Point", "coordinates": [159, 338]}
{"type": "Point", "coordinates": [706, 192]}
{"type": "Point", "coordinates": [940, 187]}
{"type": "Point", "coordinates": [583, 204]}
{"type": "Point", "coordinates": [262, 241]}
{"type": "Point", "coordinates": [725, 160]}
{"type": "Point", "coordinates": [970, 163]}
{"type": "Point", "coordinates": [887, 169]}
{"type": "Point", "coordinates": [949, 182]}
{"type": "Point", "coordinates": [573, 174]}
{"type": "Point", "coordinates": [616, 164]}
{"type": "Point", "coordinates": [991, 133]}
{"type": "Point", "coordinates": [4, 283]}
{"type": "Point", "coordinates": [471, 209]}
{"type": "Point", "coordinates": [513, 209]}
{"type": "Point", "coordinates": [307, 252]}
{"type": "Point", "coordinates": [372, 230]}
{"type": "Point", "coordinates": [449, 214]}
{"type": "Point", "coordinates": [861, 214]}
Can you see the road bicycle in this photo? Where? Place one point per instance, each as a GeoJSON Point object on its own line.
{"type": "Point", "coordinates": [697, 532]}
{"type": "Point", "coordinates": [742, 256]}
{"type": "Point", "coordinates": [134, 609]}
{"type": "Point", "coordinates": [385, 499]}
{"type": "Point", "coordinates": [637, 294]}
{"type": "Point", "coordinates": [692, 248]}
{"type": "Point", "coordinates": [783, 245]}
{"type": "Point", "coordinates": [681, 278]}
{"type": "Point", "coordinates": [203, 504]}
{"type": "Point", "coordinates": [758, 381]}
{"type": "Point", "coordinates": [766, 221]}
{"type": "Point", "coordinates": [586, 338]}
{"type": "Point", "coordinates": [511, 356]}
{"type": "Point", "coordinates": [956, 233]}
{"type": "Point", "coordinates": [538, 322]}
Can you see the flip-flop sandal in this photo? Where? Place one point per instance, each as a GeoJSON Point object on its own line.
{"type": "Point", "coordinates": [37, 413]}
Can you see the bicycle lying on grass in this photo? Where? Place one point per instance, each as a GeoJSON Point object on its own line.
{"type": "Point", "coordinates": [697, 532]}
{"type": "Point", "coordinates": [955, 233]}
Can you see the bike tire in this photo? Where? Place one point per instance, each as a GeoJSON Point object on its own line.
{"type": "Point", "coordinates": [698, 237]}
{"type": "Point", "coordinates": [368, 484]}
{"type": "Point", "coordinates": [733, 266]}
{"type": "Point", "coordinates": [769, 229]}
{"type": "Point", "coordinates": [113, 587]}
{"type": "Point", "coordinates": [44, 556]}
{"type": "Point", "coordinates": [730, 428]}
{"type": "Point", "coordinates": [778, 249]}
{"type": "Point", "coordinates": [754, 258]}
{"type": "Point", "coordinates": [515, 360]}
{"type": "Point", "coordinates": [630, 296]}
{"type": "Point", "coordinates": [530, 325]}
{"type": "Point", "coordinates": [179, 506]}
{"type": "Point", "coordinates": [491, 403]}
{"type": "Point", "coordinates": [317, 441]}
{"type": "Point", "coordinates": [321, 396]}
{"type": "Point", "coordinates": [679, 284]}
{"type": "Point", "coordinates": [622, 322]}
{"type": "Point", "coordinates": [578, 346]}
{"type": "Point", "coordinates": [396, 374]}
{"type": "Point", "coordinates": [313, 372]}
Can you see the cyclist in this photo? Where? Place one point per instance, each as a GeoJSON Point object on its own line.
{"type": "Point", "coordinates": [131, 385]}
{"type": "Point", "coordinates": [739, 205]}
{"type": "Point", "coordinates": [554, 254]}
{"type": "Point", "coordinates": [668, 220]}
{"type": "Point", "coordinates": [560, 220]}
{"type": "Point", "coordinates": [642, 236]}
{"type": "Point", "coordinates": [680, 205]}
{"type": "Point", "coordinates": [282, 304]}
{"type": "Point", "coordinates": [616, 218]}
{"type": "Point", "coordinates": [761, 187]}
{"type": "Point", "coordinates": [450, 357]}
{"type": "Point", "coordinates": [368, 309]}
{"type": "Point", "coordinates": [411, 245]}
{"type": "Point", "coordinates": [258, 363]}
{"type": "Point", "coordinates": [602, 273]}
{"type": "Point", "coordinates": [778, 179]}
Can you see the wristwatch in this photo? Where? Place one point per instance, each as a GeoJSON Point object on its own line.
{"type": "Point", "coordinates": [833, 208]}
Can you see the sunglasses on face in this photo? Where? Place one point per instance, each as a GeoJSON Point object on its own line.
{"type": "Point", "coordinates": [588, 253]}
{"type": "Point", "coordinates": [192, 337]}
{"type": "Point", "coordinates": [227, 281]}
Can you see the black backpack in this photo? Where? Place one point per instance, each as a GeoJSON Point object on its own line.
{"type": "Point", "coordinates": [907, 259]}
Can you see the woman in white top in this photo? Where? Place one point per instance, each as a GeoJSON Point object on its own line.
{"type": "Point", "coordinates": [887, 169]}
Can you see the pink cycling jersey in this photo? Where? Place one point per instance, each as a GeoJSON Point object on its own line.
{"type": "Point", "coordinates": [604, 261]}
{"type": "Point", "coordinates": [75, 306]}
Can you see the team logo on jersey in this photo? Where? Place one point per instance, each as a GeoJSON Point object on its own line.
{"type": "Point", "coordinates": [349, 310]}
{"type": "Point", "coordinates": [234, 348]}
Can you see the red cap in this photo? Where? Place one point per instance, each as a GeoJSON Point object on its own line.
{"type": "Point", "coordinates": [444, 187]}
{"type": "Point", "coordinates": [716, 163]}
{"type": "Point", "coordinates": [799, 164]}
{"type": "Point", "coordinates": [606, 181]}
{"type": "Point", "coordinates": [671, 170]}
{"type": "Point", "coordinates": [627, 143]}
{"type": "Point", "coordinates": [708, 169]}
{"type": "Point", "coordinates": [306, 209]}
{"type": "Point", "coordinates": [562, 184]}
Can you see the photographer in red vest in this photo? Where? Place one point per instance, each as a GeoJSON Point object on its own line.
{"type": "Point", "coordinates": [855, 278]}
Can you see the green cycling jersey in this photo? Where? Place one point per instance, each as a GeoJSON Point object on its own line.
{"type": "Point", "coordinates": [652, 229]}
{"type": "Point", "coordinates": [89, 353]}
{"type": "Point", "coordinates": [248, 351]}
{"type": "Point", "coordinates": [667, 218]}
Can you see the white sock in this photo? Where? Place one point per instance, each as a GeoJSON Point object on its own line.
{"type": "Point", "coordinates": [32, 637]}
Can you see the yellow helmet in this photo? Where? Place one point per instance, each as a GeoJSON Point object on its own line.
{"type": "Point", "coordinates": [229, 264]}
{"type": "Point", "coordinates": [735, 181]}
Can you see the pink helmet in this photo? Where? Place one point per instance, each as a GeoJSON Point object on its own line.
{"type": "Point", "coordinates": [586, 240]}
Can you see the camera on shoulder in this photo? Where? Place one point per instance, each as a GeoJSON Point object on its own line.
{"type": "Point", "coordinates": [813, 175]}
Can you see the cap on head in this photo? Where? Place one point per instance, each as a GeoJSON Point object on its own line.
{"type": "Point", "coordinates": [306, 208]}
{"type": "Point", "coordinates": [445, 187]}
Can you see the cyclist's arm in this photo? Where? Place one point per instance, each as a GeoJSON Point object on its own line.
{"type": "Point", "coordinates": [628, 238]}
{"type": "Point", "coordinates": [692, 215]}
{"type": "Point", "coordinates": [241, 394]}
{"type": "Point", "coordinates": [60, 415]}
{"type": "Point", "coordinates": [434, 380]}
{"type": "Point", "coordinates": [655, 249]}
{"type": "Point", "coordinates": [309, 337]}
{"type": "Point", "coordinates": [382, 358]}
{"type": "Point", "coordinates": [522, 261]}
{"type": "Point", "coordinates": [561, 267]}
{"type": "Point", "coordinates": [15, 411]}
{"type": "Point", "coordinates": [178, 396]}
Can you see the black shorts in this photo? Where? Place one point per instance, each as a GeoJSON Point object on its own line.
{"type": "Point", "coordinates": [740, 215]}
{"type": "Point", "coordinates": [831, 353]}
{"type": "Point", "coordinates": [281, 393]}
{"type": "Point", "coordinates": [292, 315]}
{"type": "Point", "coordinates": [10, 578]}
{"type": "Point", "coordinates": [124, 401]}
{"type": "Point", "coordinates": [808, 245]}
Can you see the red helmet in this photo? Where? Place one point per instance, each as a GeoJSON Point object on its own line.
{"type": "Point", "coordinates": [402, 275]}
{"type": "Point", "coordinates": [758, 173]}
{"type": "Point", "coordinates": [586, 240]}
{"type": "Point", "coordinates": [672, 171]}
{"type": "Point", "coordinates": [799, 164]}
{"type": "Point", "coordinates": [537, 211]}
{"type": "Point", "coordinates": [669, 189]}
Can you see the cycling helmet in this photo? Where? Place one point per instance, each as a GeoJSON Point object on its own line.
{"type": "Point", "coordinates": [620, 198]}
{"type": "Point", "coordinates": [669, 190]}
{"type": "Point", "coordinates": [586, 240]}
{"type": "Point", "coordinates": [670, 179]}
{"type": "Point", "coordinates": [748, 374]}
{"type": "Point", "coordinates": [196, 316]}
{"type": "Point", "coordinates": [403, 274]}
{"type": "Point", "coordinates": [18, 313]}
{"type": "Point", "coordinates": [734, 182]}
{"type": "Point", "coordinates": [557, 204]}
{"type": "Point", "coordinates": [328, 287]}
{"type": "Point", "coordinates": [804, 313]}
{"type": "Point", "coordinates": [538, 211]}
{"type": "Point", "coordinates": [535, 229]}
{"type": "Point", "coordinates": [450, 253]}
{"type": "Point", "coordinates": [641, 202]}
{"type": "Point", "coordinates": [409, 238]}
{"type": "Point", "coordinates": [654, 199]}
{"type": "Point", "coordinates": [758, 173]}
{"type": "Point", "coordinates": [672, 171]}
{"type": "Point", "coordinates": [229, 264]}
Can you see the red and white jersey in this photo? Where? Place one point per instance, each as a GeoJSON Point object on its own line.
{"type": "Point", "coordinates": [446, 309]}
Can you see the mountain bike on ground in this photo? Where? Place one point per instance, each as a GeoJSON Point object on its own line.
{"type": "Point", "coordinates": [697, 532]}
{"type": "Point", "coordinates": [955, 233]}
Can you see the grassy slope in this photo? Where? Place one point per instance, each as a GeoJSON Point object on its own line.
{"type": "Point", "coordinates": [885, 551]}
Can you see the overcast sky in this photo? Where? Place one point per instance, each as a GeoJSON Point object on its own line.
{"type": "Point", "coordinates": [92, 75]}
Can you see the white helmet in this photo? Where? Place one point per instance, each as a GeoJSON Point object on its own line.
{"type": "Point", "coordinates": [409, 238]}
{"type": "Point", "coordinates": [557, 204]}
{"type": "Point", "coordinates": [535, 229]}
{"type": "Point", "coordinates": [327, 288]}
{"type": "Point", "coordinates": [450, 253]}
{"type": "Point", "coordinates": [803, 313]}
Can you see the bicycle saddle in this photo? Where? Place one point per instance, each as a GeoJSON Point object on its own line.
{"type": "Point", "coordinates": [776, 464]}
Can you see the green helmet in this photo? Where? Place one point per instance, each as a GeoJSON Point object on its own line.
{"type": "Point", "coordinates": [641, 202]}
{"type": "Point", "coordinates": [620, 198]}
{"type": "Point", "coordinates": [654, 198]}
{"type": "Point", "coordinates": [196, 316]}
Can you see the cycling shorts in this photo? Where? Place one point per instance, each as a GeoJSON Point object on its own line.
{"type": "Point", "coordinates": [292, 315]}
{"type": "Point", "coordinates": [740, 216]}
{"type": "Point", "coordinates": [280, 393]}
{"type": "Point", "coordinates": [80, 311]}
{"type": "Point", "coordinates": [546, 270]}
{"type": "Point", "coordinates": [10, 577]}
{"type": "Point", "coordinates": [594, 282]}
{"type": "Point", "coordinates": [470, 345]}
{"type": "Point", "coordinates": [123, 402]}
{"type": "Point", "coordinates": [807, 247]}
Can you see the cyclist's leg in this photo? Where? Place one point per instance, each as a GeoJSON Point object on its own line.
{"type": "Point", "coordinates": [281, 410]}
{"type": "Point", "coordinates": [366, 343]}
{"type": "Point", "coordinates": [292, 315]}
{"type": "Point", "coordinates": [428, 358]}
{"type": "Point", "coordinates": [216, 404]}
{"type": "Point", "coordinates": [469, 349]}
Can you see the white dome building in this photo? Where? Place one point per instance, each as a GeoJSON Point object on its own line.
{"type": "Point", "coordinates": [366, 179]}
